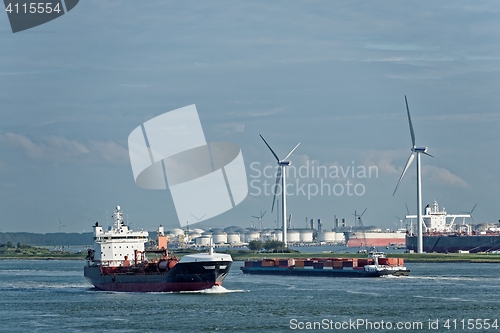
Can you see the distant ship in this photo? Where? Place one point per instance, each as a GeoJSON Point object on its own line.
{"type": "Point", "coordinates": [375, 238]}
{"type": "Point", "coordinates": [442, 234]}
{"type": "Point", "coordinates": [375, 265]}
{"type": "Point", "coordinates": [119, 262]}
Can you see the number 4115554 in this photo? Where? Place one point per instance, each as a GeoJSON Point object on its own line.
{"type": "Point", "coordinates": [34, 8]}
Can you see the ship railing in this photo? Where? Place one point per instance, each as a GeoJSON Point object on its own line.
{"type": "Point", "coordinates": [108, 263]}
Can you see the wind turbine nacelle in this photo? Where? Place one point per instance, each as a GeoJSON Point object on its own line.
{"type": "Point", "coordinates": [420, 150]}
{"type": "Point", "coordinates": [285, 163]}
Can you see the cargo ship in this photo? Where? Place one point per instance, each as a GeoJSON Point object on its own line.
{"type": "Point", "coordinates": [120, 262]}
{"type": "Point", "coordinates": [375, 238]}
{"type": "Point", "coordinates": [375, 265]}
{"type": "Point", "coordinates": [456, 242]}
{"type": "Point", "coordinates": [443, 234]}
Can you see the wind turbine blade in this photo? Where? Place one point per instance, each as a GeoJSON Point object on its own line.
{"type": "Point", "coordinates": [268, 146]}
{"type": "Point", "coordinates": [278, 178]}
{"type": "Point", "coordinates": [263, 214]}
{"type": "Point", "coordinates": [397, 218]}
{"type": "Point", "coordinates": [409, 121]}
{"type": "Point", "coordinates": [410, 160]}
{"type": "Point", "coordinates": [428, 154]}
{"type": "Point", "coordinates": [363, 212]}
{"type": "Point", "coordinates": [255, 217]}
{"type": "Point", "coordinates": [407, 210]}
{"type": "Point", "coordinates": [291, 151]}
{"type": "Point", "coordinates": [473, 209]}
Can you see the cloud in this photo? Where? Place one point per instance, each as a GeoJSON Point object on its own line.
{"type": "Point", "coordinates": [69, 147]}
{"type": "Point", "coordinates": [59, 149]}
{"type": "Point", "coordinates": [110, 151]}
{"type": "Point", "coordinates": [442, 176]}
{"type": "Point", "coordinates": [383, 160]}
{"type": "Point", "coordinates": [20, 141]}
{"type": "Point", "coordinates": [266, 112]}
{"type": "Point", "coordinates": [229, 128]}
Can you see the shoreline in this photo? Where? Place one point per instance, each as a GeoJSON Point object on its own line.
{"type": "Point", "coordinates": [408, 257]}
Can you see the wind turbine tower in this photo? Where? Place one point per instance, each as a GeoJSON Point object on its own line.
{"type": "Point", "coordinates": [281, 175]}
{"type": "Point", "coordinates": [415, 151]}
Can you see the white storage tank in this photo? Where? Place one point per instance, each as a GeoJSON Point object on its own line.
{"type": "Point", "coordinates": [193, 235]}
{"type": "Point", "coordinates": [203, 240]}
{"type": "Point", "coordinates": [339, 237]}
{"type": "Point", "coordinates": [251, 235]}
{"type": "Point", "coordinates": [233, 238]}
{"type": "Point", "coordinates": [266, 235]}
{"type": "Point", "coordinates": [293, 236]}
{"type": "Point", "coordinates": [277, 235]}
{"type": "Point", "coordinates": [220, 238]}
{"type": "Point", "coordinates": [306, 236]}
{"type": "Point", "coordinates": [177, 232]}
{"type": "Point", "coordinates": [326, 236]}
{"type": "Point", "coordinates": [198, 231]}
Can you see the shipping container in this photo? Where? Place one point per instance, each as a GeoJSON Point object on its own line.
{"type": "Point", "coordinates": [318, 265]}
{"type": "Point", "coordinates": [383, 261]}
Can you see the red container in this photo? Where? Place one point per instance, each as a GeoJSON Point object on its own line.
{"type": "Point", "coordinates": [383, 261]}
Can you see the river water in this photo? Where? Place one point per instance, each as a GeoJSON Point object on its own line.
{"type": "Point", "coordinates": [53, 296]}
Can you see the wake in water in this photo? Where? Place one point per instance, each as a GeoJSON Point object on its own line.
{"type": "Point", "coordinates": [215, 290]}
{"type": "Point", "coordinates": [394, 277]}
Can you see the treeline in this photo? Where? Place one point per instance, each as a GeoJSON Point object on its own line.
{"type": "Point", "coordinates": [50, 239]}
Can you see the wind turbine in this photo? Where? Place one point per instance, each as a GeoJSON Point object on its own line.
{"type": "Point", "coordinates": [357, 218]}
{"type": "Point", "coordinates": [283, 163]}
{"type": "Point", "coordinates": [198, 218]}
{"type": "Point", "coordinates": [401, 221]}
{"type": "Point", "coordinates": [61, 225]}
{"type": "Point", "coordinates": [260, 218]}
{"type": "Point", "coordinates": [415, 151]}
{"type": "Point", "coordinates": [470, 213]}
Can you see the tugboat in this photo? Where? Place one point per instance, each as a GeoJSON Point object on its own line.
{"type": "Point", "coordinates": [375, 265]}
{"type": "Point", "coordinates": [119, 262]}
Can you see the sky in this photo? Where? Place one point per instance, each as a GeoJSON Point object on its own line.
{"type": "Point", "coordinates": [331, 75]}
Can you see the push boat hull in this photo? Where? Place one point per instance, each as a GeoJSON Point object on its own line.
{"type": "Point", "coordinates": [319, 272]}
{"type": "Point", "coordinates": [375, 265]}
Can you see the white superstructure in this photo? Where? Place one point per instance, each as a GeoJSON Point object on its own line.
{"type": "Point", "coordinates": [436, 220]}
{"type": "Point", "coordinates": [117, 246]}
